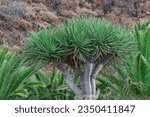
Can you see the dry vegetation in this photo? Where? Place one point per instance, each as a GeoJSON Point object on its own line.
{"type": "Point", "coordinates": [19, 18]}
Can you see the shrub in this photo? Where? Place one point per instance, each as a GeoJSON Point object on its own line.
{"type": "Point", "coordinates": [48, 86]}
{"type": "Point", "coordinates": [12, 75]}
{"type": "Point", "coordinates": [14, 9]}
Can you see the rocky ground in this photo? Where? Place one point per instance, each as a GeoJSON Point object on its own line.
{"type": "Point", "coordinates": [20, 18]}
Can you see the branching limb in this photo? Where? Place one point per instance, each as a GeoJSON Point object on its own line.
{"type": "Point", "coordinates": [98, 67]}
{"type": "Point", "coordinates": [100, 64]}
{"type": "Point", "coordinates": [107, 59]}
{"type": "Point", "coordinates": [85, 79]}
{"type": "Point", "coordinates": [93, 85]}
{"type": "Point", "coordinates": [96, 70]}
{"type": "Point", "coordinates": [63, 68]}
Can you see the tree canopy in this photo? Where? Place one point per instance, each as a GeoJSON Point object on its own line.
{"type": "Point", "coordinates": [79, 39]}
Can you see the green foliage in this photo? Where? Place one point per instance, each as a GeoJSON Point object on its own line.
{"type": "Point", "coordinates": [80, 39]}
{"type": "Point", "coordinates": [118, 85]}
{"type": "Point", "coordinates": [20, 82]}
{"type": "Point", "coordinates": [50, 86]}
{"type": "Point", "coordinates": [132, 78]}
{"type": "Point", "coordinates": [12, 75]}
{"type": "Point", "coordinates": [42, 47]}
{"type": "Point", "coordinates": [142, 33]}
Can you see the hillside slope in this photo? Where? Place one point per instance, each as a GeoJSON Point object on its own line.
{"type": "Point", "coordinates": [20, 18]}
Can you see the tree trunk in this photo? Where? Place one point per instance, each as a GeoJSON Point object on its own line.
{"type": "Point", "coordinates": [86, 87]}
{"type": "Point", "coordinates": [87, 90]}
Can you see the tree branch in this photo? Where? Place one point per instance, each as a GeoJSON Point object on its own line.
{"type": "Point", "coordinates": [107, 59]}
{"type": "Point", "coordinates": [63, 68]}
{"type": "Point", "coordinates": [85, 79]}
{"type": "Point", "coordinates": [98, 67]}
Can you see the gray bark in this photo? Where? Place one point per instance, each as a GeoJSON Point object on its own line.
{"type": "Point", "coordinates": [87, 78]}
{"type": "Point", "coordinates": [62, 67]}
{"type": "Point", "coordinates": [95, 72]}
{"type": "Point", "coordinates": [85, 81]}
{"type": "Point", "coordinates": [98, 67]}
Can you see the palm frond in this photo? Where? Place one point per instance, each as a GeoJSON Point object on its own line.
{"type": "Point", "coordinates": [12, 74]}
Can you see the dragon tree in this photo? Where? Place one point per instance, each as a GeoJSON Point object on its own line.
{"type": "Point", "coordinates": [79, 47]}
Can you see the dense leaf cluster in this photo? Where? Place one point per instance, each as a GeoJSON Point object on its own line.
{"type": "Point", "coordinates": [79, 39]}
